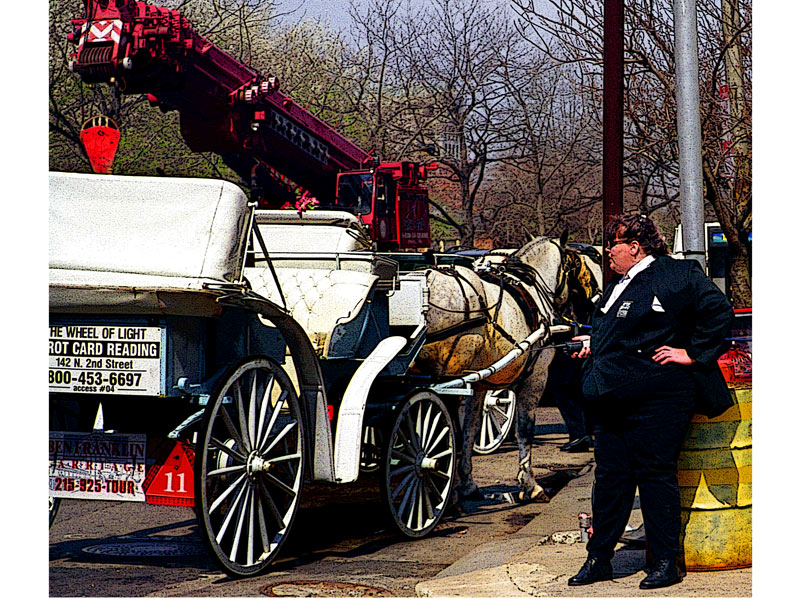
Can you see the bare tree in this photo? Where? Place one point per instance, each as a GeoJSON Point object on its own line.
{"type": "Point", "coordinates": [556, 163]}
{"type": "Point", "coordinates": [439, 88]}
{"type": "Point", "coordinates": [311, 61]}
{"type": "Point", "coordinates": [384, 99]}
{"type": "Point", "coordinates": [571, 32]}
{"type": "Point", "coordinates": [151, 141]}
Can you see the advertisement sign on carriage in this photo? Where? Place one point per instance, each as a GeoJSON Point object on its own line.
{"type": "Point", "coordinates": [97, 466]}
{"type": "Point", "coordinates": [105, 359]}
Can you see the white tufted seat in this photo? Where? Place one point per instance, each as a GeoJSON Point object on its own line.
{"type": "Point", "coordinates": [325, 270]}
{"type": "Point", "coordinates": [323, 301]}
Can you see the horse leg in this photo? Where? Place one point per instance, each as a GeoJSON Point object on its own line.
{"type": "Point", "coordinates": [527, 400]}
{"type": "Point", "coordinates": [466, 488]}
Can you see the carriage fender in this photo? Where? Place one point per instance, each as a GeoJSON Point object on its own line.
{"type": "Point", "coordinates": [311, 388]}
{"type": "Point", "coordinates": [347, 447]}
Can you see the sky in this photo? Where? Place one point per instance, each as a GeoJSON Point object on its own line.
{"type": "Point", "coordinates": [334, 11]}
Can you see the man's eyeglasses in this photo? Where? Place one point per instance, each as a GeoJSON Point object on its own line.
{"type": "Point", "coordinates": [612, 243]}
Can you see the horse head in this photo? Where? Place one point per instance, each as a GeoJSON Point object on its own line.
{"type": "Point", "coordinates": [583, 272]}
{"type": "Point", "coordinates": [545, 259]}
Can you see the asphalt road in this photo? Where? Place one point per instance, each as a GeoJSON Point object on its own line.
{"type": "Point", "coordinates": [341, 544]}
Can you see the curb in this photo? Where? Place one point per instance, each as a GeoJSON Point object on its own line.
{"type": "Point", "coordinates": [535, 562]}
{"type": "Point", "coordinates": [492, 568]}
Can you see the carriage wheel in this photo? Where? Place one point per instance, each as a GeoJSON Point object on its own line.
{"type": "Point", "coordinates": [55, 503]}
{"type": "Point", "coordinates": [370, 449]}
{"type": "Point", "coordinates": [419, 464]}
{"type": "Point", "coordinates": [250, 471]}
{"type": "Point", "coordinates": [497, 420]}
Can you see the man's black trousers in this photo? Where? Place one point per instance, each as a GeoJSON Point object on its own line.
{"type": "Point", "coordinates": [638, 436]}
{"type": "Point", "coordinates": [564, 387]}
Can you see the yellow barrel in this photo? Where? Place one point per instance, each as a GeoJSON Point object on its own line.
{"type": "Point", "coordinates": [715, 478]}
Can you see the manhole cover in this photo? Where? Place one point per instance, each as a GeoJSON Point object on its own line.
{"type": "Point", "coordinates": [147, 549]}
{"type": "Point", "coordinates": [321, 588]}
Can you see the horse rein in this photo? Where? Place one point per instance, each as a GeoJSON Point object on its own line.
{"type": "Point", "coordinates": [487, 318]}
{"type": "Point", "coordinates": [452, 272]}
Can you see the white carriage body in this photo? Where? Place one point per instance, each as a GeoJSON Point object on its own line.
{"type": "Point", "coordinates": [326, 276]}
{"type": "Point", "coordinates": [227, 291]}
{"type": "Point", "coordinates": [172, 246]}
{"type": "Point", "coordinates": [116, 242]}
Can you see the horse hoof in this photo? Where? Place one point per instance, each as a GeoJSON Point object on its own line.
{"type": "Point", "coordinates": [539, 496]}
{"type": "Point", "coordinates": [536, 496]}
{"type": "Point", "coordinates": [454, 508]}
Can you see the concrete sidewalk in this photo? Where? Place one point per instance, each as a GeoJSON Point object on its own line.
{"type": "Point", "coordinates": [539, 558]}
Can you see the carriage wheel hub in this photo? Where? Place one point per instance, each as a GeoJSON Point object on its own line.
{"type": "Point", "coordinates": [255, 464]}
{"type": "Point", "coordinates": [424, 463]}
{"type": "Point", "coordinates": [428, 463]}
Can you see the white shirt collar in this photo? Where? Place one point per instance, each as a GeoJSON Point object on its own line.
{"type": "Point", "coordinates": [623, 282]}
{"type": "Point", "coordinates": [639, 266]}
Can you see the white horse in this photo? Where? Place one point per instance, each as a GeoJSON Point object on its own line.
{"type": "Point", "coordinates": [473, 323]}
{"type": "Point", "coordinates": [571, 292]}
{"type": "Point", "coordinates": [541, 267]}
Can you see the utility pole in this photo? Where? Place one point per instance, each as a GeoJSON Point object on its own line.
{"type": "Point", "coordinates": [687, 97]}
{"type": "Point", "coordinates": [613, 105]}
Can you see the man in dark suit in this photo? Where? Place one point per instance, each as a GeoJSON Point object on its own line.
{"type": "Point", "coordinates": [651, 360]}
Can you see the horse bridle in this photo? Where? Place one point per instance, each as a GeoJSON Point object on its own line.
{"type": "Point", "coordinates": [561, 278]}
{"type": "Point", "coordinates": [576, 266]}
{"type": "Point", "coordinates": [549, 296]}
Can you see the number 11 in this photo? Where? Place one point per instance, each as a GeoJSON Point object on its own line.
{"type": "Point", "coordinates": [181, 485]}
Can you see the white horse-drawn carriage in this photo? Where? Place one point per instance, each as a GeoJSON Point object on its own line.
{"type": "Point", "coordinates": [205, 353]}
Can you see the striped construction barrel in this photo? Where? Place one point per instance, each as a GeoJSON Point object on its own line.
{"type": "Point", "coordinates": [715, 479]}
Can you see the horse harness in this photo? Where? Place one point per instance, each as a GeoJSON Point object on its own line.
{"type": "Point", "coordinates": [510, 276]}
{"type": "Point", "coordinates": [530, 276]}
{"type": "Point", "coordinates": [505, 283]}
{"type": "Point", "coordinates": [524, 299]}
{"type": "Point", "coordinates": [468, 323]}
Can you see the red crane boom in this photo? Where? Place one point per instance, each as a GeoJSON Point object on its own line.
{"type": "Point", "coordinates": [228, 108]}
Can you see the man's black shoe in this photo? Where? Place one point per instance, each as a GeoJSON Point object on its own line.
{"type": "Point", "coordinates": [663, 573]}
{"type": "Point", "coordinates": [593, 570]}
{"type": "Point", "coordinates": [578, 445]}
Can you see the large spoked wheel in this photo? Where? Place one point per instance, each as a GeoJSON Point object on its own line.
{"type": "Point", "coordinates": [55, 503]}
{"type": "Point", "coordinates": [419, 464]}
{"type": "Point", "coordinates": [497, 420]}
{"type": "Point", "coordinates": [370, 449]}
{"type": "Point", "coordinates": [250, 471]}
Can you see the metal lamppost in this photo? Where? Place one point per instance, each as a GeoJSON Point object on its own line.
{"type": "Point", "coordinates": [688, 111]}
{"type": "Point", "coordinates": [687, 97]}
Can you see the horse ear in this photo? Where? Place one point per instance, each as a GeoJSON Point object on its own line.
{"type": "Point", "coordinates": [563, 239]}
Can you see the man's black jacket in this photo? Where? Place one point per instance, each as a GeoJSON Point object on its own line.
{"type": "Point", "coordinates": [696, 317]}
